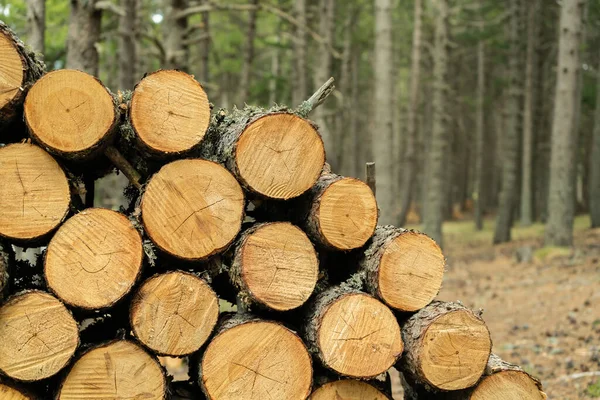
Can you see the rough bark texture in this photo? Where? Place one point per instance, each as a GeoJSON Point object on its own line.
{"type": "Point", "coordinates": [480, 135]}
{"type": "Point", "coordinates": [311, 222]}
{"type": "Point", "coordinates": [127, 45]}
{"type": "Point", "coordinates": [84, 32]}
{"type": "Point", "coordinates": [300, 88]}
{"type": "Point", "coordinates": [248, 56]}
{"type": "Point", "coordinates": [6, 259]}
{"type": "Point", "coordinates": [561, 198]}
{"type": "Point", "coordinates": [36, 20]}
{"type": "Point", "coordinates": [595, 162]}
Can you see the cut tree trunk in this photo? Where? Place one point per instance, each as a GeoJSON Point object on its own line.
{"type": "Point", "coordinates": [447, 347]}
{"type": "Point", "coordinates": [120, 369]}
{"type": "Point", "coordinates": [174, 313]}
{"type": "Point", "coordinates": [85, 25]}
{"type": "Point", "coordinates": [34, 193]}
{"type": "Point", "coordinates": [94, 259]}
{"type": "Point", "coordinates": [255, 359]}
{"type": "Point", "coordinates": [276, 155]}
{"type": "Point", "coordinates": [347, 390]}
{"type": "Point", "coordinates": [275, 265]}
{"type": "Point", "coordinates": [404, 268]}
{"type": "Point", "coordinates": [19, 69]}
{"type": "Point", "coordinates": [38, 335]}
{"type": "Point", "coordinates": [352, 333]}
{"type": "Point", "coordinates": [169, 113]}
{"type": "Point", "coordinates": [192, 209]}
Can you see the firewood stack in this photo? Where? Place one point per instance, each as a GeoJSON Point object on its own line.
{"type": "Point", "coordinates": [225, 206]}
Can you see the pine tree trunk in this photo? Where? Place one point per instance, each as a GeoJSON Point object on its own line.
{"type": "Point", "coordinates": [127, 45]}
{"type": "Point", "coordinates": [205, 47]}
{"type": "Point", "coordinates": [84, 32]}
{"type": "Point", "coordinates": [480, 136]}
{"type": "Point", "coordinates": [300, 90]}
{"type": "Point", "coordinates": [36, 20]}
{"type": "Point", "coordinates": [175, 28]}
{"type": "Point", "coordinates": [595, 162]}
{"type": "Point", "coordinates": [561, 199]}
{"type": "Point", "coordinates": [248, 57]}
{"type": "Point", "coordinates": [346, 139]}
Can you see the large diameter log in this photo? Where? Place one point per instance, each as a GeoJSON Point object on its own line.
{"type": "Point", "coordinates": [276, 155]}
{"type": "Point", "coordinates": [447, 347]}
{"type": "Point", "coordinates": [169, 112]}
{"type": "Point", "coordinates": [71, 114]}
{"type": "Point", "coordinates": [404, 268]}
{"type": "Point", "coordinates": [174, 313]}
{"type": "Point", "coordinates": [34, 193]}
{"type": "Point", "coordinates": [117, 370]}
{"type": "Point", "coordinates": [19, 68]}
{"type": "Point", "coordinates": [38, 335]}
{"type": "Point", "coordinates": [275, 265]}
{"type": "Point", "coordinates": [192, 209]}
{"type": "Point", "coordinates": [94, 259]}
{"type": "Point", "coordinates": [353, 333]}
{"type": "Point", "coordinates": [347, 390]}
{"type": "Point", "coordinates": [256, 360]}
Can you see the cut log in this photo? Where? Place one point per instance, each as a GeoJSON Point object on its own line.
{"type": "Point", "coordinates": [192, 208]}
{"type": "Point", "coordinates": [256, 359]}
{"type": "Point", "coordinates": [38, 335]}
{"type": "Point", "coordinates": [277, 155]}
{"type": "Point", "coordinates": [8, 392]}
{"type": "Point", "coordinates": [19, 68]}
{"type": "Point", "coordinates": [353, 333]}
{"type": "Point", "coordinates": [347, 390]}
{"type": "Point", "coordinates": [119, 370]}
{"type": "Point", "coordinates": [404, 268]}
{"type": "Point", "coordinates": [169, 112]}
{"type": "Point", "coordinates": [94, 259]}
{"type": "Point", "coordinates": [34, 193]}
{"type": "Point", "coordinates": [71, 114]}
{"type": "Point", "coordinates": [447, 347]}
{"type": "Point", "coordinates": [342, 212]}
{"type": "Point", "coordinates": [174, 313]}
{"type": "Point", "coordinates": [275, 265]}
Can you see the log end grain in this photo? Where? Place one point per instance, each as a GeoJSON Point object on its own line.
{"type": "Point", "coordinates": [38, 336]}
{"type": "Point", "coordinates": [10, 393]}
{"type": "Point", "coordinates": [174, 313]}
{"type": "Point", "coordinates": [347, 390]}
{"type": "Point", "coordinates": [120, 370]}
{"type": "Point", "coordinates": [256, 360]}
{"type": "Point", "coordinates": [94, 259]}
{"type": "Point", "coordinates": [169, 112]}
{"type": "Point", "coordinates": [34, 192]}
{"type": "Point", "coordinates": [70, 112]}
{"type": "Point", "coordinates": [192, 208]}
{"type": "Point", "coordinates": [280, 156]}
{"type": "Point", "coordinates": [508, 385]}
{"type": "Point", "coordinates": [12, 71]}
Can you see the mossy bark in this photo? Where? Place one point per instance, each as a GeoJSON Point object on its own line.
{"type": "Point", "coordinates": [6, 261]}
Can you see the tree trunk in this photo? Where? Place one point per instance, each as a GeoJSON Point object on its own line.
{"type": "Point", "coordinates": [85, 24]}
{"type": "Point", "coordinates": [436, 168]}
{"type": "Point", "coordinates": [176, 27]}
{"type": "Point", "coordinates": [595, 161]}
{"type": "Point", "coordinates": [205, 47]}
{"type": "Point", "coordinates": [561, 199]}
{"type": "Point", "coordinates": [127, 45]}
{"type": "Point", "coordinates": [36, 20]}
{"type": "Point", "coordinates": [345, 135]}
{"type": "Point", "coordinates": [248, 57]}
{"type": "Point", "coordinates": [300, 88]}
{"type": "Point", "coordinates": [480, 136]}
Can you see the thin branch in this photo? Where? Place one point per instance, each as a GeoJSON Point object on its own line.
{"type": "Point", "coordinates": [124, 166]}
{"type": "Point", "coordinates": [316, 99]}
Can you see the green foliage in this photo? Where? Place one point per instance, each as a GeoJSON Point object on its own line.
{"type": "Point", "coordinates": [593, 390]}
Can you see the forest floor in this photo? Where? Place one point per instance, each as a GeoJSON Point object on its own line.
{"type": "Point", "coordinates": [542, 305]}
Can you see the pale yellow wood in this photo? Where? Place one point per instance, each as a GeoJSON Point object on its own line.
{"type": "Point", "coordinates": [38, 336]}
{"type": "Point", "coordinates": [279, 266]}
{"type": "Point", "coordinates": [115, 371]}
{"type": "Point", "coordinates": [9, 393]}
{"type": "Point", "coordinates": [169, 111]}
{"type": "Point", "coordinates": [69, 111]}
{"type": "Point", "coordinates": [411, 271]}
{"type": "Point", "coordinates": [192, 208]}
{"type": "Point", "coordinates": [11, 71]}
{"type": "Point", "coordinates": [455, 351]}
{"type": "Point", "coordinates": [347, 390]}
{"type": "Point", "coordinates": [34, 192]}
{"type": "Point", "coordinates": [280, 155]}
{"type": "Point", "coordinates": [174, 313]}
{"type": "Point", "coordinates": [359, 336]}
{"type": "Point", "coordinates": [93, 260]}
{"type": "Point", "coordinates": [347, 214]}
{"type": "Point", "coordinates": [507, 385]}
{"type": "Point", "coordinates": [257, 360]}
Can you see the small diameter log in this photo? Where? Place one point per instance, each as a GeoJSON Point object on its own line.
{"type": "Point", "coordinates": [404, 268]}
{"type": "Point", "coordinates": [256, 359]}
{"type": "Point", "coordinates": [169, 112]}
{"type": "Point", "coordinates": [8, 392]}
{"type": "Point", "coordinates": [38, 335]}
{"type": "Point", "coordinates": [353, 333]}
{"type": "Point", "coordinates": [192, 208]}
{"type": "Point", "coordinates": [34, 193]}
{"type": "Point", "coordinates": [19, 68]}
{"type": "Point", "coordinates": [342, 212]}
{"type": "Point", "coordinates": [117, 370]}
{"type": "Point", "coordinates": [275, 265]}
{"type": "Point", "coordinates": [94, 259]}
{"type": "Point", "coordinates": [447, 347]}
{"type": "Point", "coordinates": [347, 390]}
{"type": "Point", "coordinates": [277, 155]}
{"type": "Point", "coordinates": [174, 313]}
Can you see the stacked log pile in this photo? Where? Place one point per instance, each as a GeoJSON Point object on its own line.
{"type": "Point", "coordinates": [233, 206]}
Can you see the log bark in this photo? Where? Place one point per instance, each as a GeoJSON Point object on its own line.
{"type": "Point", "coordinates": [451, 330]}
{"type": "Point", "coordinates": [6, 261]}
{"type": "Point", "coordinates": [404, 268]}
{"type": "Point", "coordinates": [348, 390]}
{"type": "Point", "coordinates": [21, 68]}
